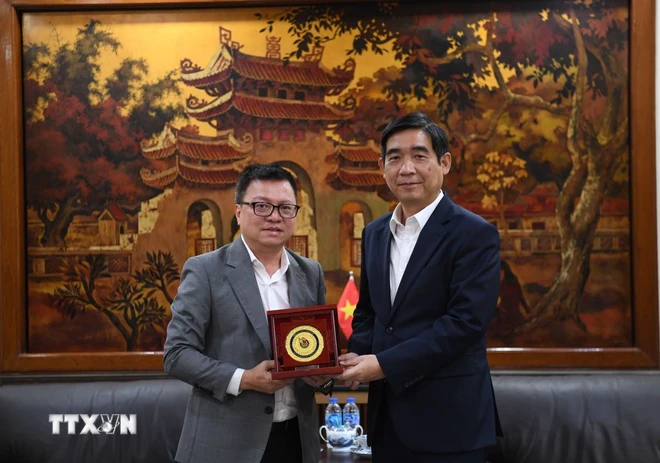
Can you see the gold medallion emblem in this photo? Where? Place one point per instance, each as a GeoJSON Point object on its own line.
{"type": "Point", "coordinates": [304, 343]}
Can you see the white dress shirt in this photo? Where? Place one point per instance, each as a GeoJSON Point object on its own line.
{"type": "Point", "coordinates": [274, 291]}
{"type": "Point", "coordinates": [404, 240]}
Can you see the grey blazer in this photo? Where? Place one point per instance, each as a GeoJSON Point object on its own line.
{"type": "Point", "coordinates": [219, 324]}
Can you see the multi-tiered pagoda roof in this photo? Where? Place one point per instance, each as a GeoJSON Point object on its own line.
{"type": "Point", "coordinates": [229, 63]}
{"type": "Point", "coordinates": [242, 85]}
{"type": "Point", "coordinates": [264, 108]}
{"type": "Point", "coordinates": [194, 160]}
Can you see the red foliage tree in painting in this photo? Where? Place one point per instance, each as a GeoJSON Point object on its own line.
{"type": "Point", "coordinates": [566, 63]}
{"type": "Point", "coordinates": [82, 134]}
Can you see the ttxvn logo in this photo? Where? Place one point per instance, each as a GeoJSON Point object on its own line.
{"type": "Point", "coordinates": [95, 424]}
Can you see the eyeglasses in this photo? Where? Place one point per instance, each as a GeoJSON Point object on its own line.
{"type": "Point", "coordinates": [262, 209]}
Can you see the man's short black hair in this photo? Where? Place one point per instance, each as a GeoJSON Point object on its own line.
{"type": "Point", "coordinates": [416, 121]}
{"type": "Point", "coordinates": [272, 171]}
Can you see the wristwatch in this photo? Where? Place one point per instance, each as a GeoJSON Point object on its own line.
{"type": "Point", "coordinates": [326, 388]}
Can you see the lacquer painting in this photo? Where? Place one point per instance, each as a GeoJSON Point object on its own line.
{"type": "Point", "coordinates": [138, 125]}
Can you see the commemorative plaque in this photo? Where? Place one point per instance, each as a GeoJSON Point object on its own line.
{"type": "Point", "coordinates": [305, 341]}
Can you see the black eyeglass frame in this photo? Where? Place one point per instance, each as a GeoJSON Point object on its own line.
{"type": "Point", "coordinates": [273, 207]}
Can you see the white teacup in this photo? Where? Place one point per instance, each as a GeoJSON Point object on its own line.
{"type": "Point", "coordinates": [361, 443]}
{"type": "Point", "coordinates": [341, 438]}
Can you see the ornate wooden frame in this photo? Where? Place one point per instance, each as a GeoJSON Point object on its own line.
{"type": "Point", "coordinates": [13, 323]}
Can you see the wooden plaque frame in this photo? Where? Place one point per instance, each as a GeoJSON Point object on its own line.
{"type": "Point", "coordinates": [323, 320]}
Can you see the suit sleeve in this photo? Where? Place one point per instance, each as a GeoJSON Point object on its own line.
{"type": "Point", "coordinates": [364, 316]}
{"type": "Point", "coordinates": [474, 288]}
{"type": "Point", "coordinates": [186, 335]}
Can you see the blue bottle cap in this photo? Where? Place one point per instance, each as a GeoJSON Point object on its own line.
{"type": "Point", "coordinates": [332, 400]}
{"type": "Point", "coordinates": [350, 399]}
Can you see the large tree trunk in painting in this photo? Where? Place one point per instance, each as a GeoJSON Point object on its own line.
{"type": "Point", "coordinates": [594, 154]}
{"type": "Point", "coordinates": [130, 338]}
{"type": "Point", "coordinates": [55, 230]}
{"type": "Point", "coordinates": [562, 301]}
{"type": "Point", "coordinates": [578, 213]}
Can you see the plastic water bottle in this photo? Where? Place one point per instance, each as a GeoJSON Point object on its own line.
{"type": "Point", "coordinates": [333, 414]}
{"type": "Point", "coordinates": [351, 413]}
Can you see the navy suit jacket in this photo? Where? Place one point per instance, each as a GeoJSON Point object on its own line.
{"type": "Point", "coordinates": [430, 342]}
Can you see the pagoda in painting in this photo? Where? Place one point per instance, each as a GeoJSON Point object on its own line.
{"type": "Point", "coordinates": [193, 160]}
{"type": "Point", "coordinates": [267, 94]}
{"type": "Point", "coordinates": [262, 109]}
{"type": "Point", "coordinates": [356, 168]}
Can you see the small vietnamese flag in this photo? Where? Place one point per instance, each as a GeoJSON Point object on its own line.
{"type": "Point", "coordinates": [346, 306]}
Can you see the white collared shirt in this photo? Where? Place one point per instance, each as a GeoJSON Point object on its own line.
{"type": "Point", "coordinates": [274, 292]}
{"type": "Point", "coordinates": [404, 239]}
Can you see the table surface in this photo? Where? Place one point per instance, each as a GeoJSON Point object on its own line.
{"type": "Point", "coordinates": [328, 456]}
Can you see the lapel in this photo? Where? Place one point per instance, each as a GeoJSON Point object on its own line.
{"type": "Point", "coordinates": [297, 282]}
{"type": "Point", "coordinates": [244, 284]}
{"type": "Point", "coordinates": [427, 244]}
{"type": "Point", "coordinates": [383, 241]}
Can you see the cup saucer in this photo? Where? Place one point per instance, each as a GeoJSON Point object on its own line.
{"type": "Point", "coordinates": [365, 453]}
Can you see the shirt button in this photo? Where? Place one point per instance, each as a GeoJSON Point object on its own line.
{"type": "Point", "coordinates": [268, 410]}
{"type": "Point", "coordinates": [389, 330]}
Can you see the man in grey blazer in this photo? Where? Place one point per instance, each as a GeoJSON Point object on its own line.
{"type": "Point", "coordinates": [218, 337]}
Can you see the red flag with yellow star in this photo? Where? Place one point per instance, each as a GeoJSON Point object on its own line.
{"type": "Point", "coordinates": [346, 306]}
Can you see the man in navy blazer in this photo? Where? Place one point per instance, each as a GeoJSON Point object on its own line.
{"type": "Point", "coordinates": [428, 289]}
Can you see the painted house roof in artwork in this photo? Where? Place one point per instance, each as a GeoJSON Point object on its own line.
{"type": "Point", "coordinates": [192, 175]}
{"type": "Point", "coordinates": [360, 171]}
{"type": "Point", "coordinates": [309, 73]}
{"type": "Point", "coordinates": [355, 178]}
{"type": "Point", "coordinates": [223, 147]}
{"type": "Point", "coordinates": [368, 152]}
{"type": "Point", "coordinates": [159, 179]}
{"type": "Point", "coordinates": [116, 212]}
{"type": "Point", "coordinates": [229, 63]}
{"type": "Point", "coordinates": [361, 179]}
{"type": "Point", "coordinates": [204, 176]}
{"type": "Point", "coordinates": [264, 107]}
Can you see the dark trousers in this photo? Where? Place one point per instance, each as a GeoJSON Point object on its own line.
{"type": "Point", "coordinates": [284, 443]}
{"type": "Point", "coordinates": [387, 448]}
